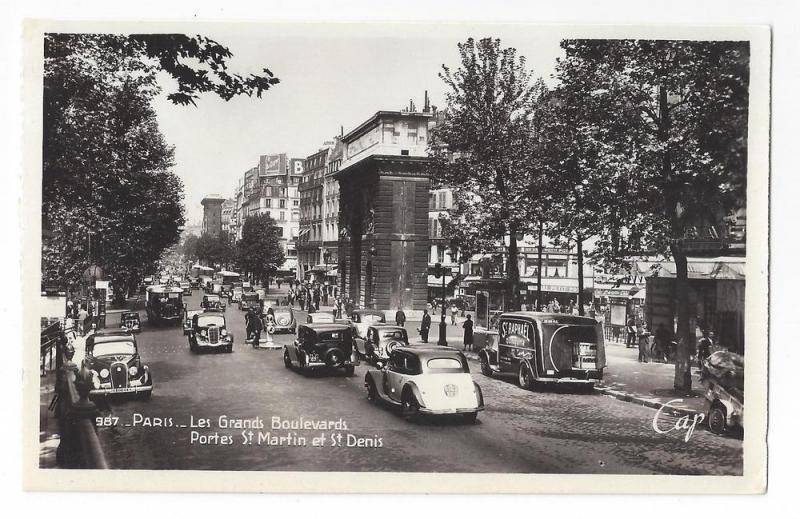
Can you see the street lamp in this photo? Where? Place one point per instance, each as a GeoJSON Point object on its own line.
{"type": "Point", "coordinates": [326, 256]}
{"type": "Point", "coordinates": [439, 272]}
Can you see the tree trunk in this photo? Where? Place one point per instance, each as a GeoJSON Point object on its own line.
{"type": "Point", "coordinates": [580, 274]}
{"type": "Point", "coordinates": [513, 268]}
{"type": "Point", "coordinates": [539, 304]}
{"type": "Point", "coordinates": [683, 373]}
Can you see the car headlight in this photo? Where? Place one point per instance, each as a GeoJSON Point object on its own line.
{"type": "Point", "coordinates": [223, 332]}
{"type": "Point", "coordinates": [133, 370]}
{"type": "Point", "coordinates": [104, 373]}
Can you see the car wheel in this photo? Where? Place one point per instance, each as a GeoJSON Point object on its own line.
{"type": "Point", "coordinates": [525, 377]}
{"type": "Point", "coordinates": [349, 371]}
{"type": "Point", "coordinates": [485, 368]}
{"type": "Point", "coordinates": [145, 395]}
{"type": "Point", "coordinates": [372, 391]}
{"type": "Point", "coordinates": [409, 405]}
{"type": "Point", "coordinates": [717, 419]}
{"type": "Point", "coordinates": [470, 417]}
{"type": "Point", "coordinates": [286, 360]}
{"type": "Point", "coordinates": [229, 349]}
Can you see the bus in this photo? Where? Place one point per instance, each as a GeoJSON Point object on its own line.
{"type": "Point", "coordinates": [196, 272]}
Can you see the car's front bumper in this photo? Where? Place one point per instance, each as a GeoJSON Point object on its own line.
{"type": "Point", "coordinates": [460, 410]}
{"type": "Point", "coordinates": [121, 390]}
{"type": "Point", "coordinates": [213, 346]}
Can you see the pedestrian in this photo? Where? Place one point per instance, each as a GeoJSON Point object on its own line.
{"type": "Point", "coordinates": [468, 333]}
{"type": "Point", "coordinates": [425, 326]}
{"type": "Point", "coordinates": [400, 317]}
{"type": "Point", "coordinates": [290, 297]}
{"type": "Point", "coordinates": [661, 343]}
{"type": "Point", "coordinates": [278, 281]}
{"type": "Point", "coordinates": [316, 299]}
{"type": "Point", "coordinates": [301, 301]}
{"type": "Point", "coordinates": [82, 316]}
{"type": "Point", "coordinates": [704, 347]}
{"type": "Point", "coordinates": [644, 343]}
{"type": "Point", "coordinates": [453, 311]}
{"type": "Point", "coordinates": [556, 306]}
{"type": "Point", "coordinates": [630, 327]}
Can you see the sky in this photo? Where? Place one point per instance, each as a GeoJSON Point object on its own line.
{"type": "Point", "coordinates": [331, 76]}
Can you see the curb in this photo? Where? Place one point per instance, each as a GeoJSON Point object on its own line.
{"type": "Point", "coordinates": [653, 404]}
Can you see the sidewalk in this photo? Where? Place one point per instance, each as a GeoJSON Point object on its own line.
{"type": "Point", "coordinates": [649, 384]}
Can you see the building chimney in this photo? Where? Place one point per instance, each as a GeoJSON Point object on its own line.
{"type": "Point", "coordinates": [427, 107]}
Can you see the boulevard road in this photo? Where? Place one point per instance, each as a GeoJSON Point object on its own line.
{"type": "Point", "coordinates": [520, 431]}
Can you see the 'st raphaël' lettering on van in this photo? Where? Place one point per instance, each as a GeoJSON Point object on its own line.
{"type": "Point", "coordinates": [515, 328]}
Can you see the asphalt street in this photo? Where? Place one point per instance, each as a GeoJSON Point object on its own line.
{"type": "Point", "coordinates": [519, 432]}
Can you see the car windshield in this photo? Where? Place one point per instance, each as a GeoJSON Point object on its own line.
{"type": "Point", "coordinates": [370, 318]}
{"type": "Point", "coordinates": [332, 336]}
{"type": "Point", "coordinates": [212, 299]}
{"type": "Point", "coordinates": [114, 348]}
{"type": "Point", "coordinates": [446, 365]}
{"type": "Point", "coordinates": [206, 320]}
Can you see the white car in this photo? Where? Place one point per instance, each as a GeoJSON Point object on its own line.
{"type": "Point", "coordinates": [426, 381]}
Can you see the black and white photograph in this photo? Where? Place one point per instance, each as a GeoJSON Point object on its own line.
{"type": "Point", "coordinates": [458, 251]}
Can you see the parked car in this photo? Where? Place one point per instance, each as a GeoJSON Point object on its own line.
{"type": "Point", "coordinates": [322, 346]}
{"type": "Point", "coordinates": [212, 302]}
{"type": "Point", "coordinates": [284, 319]}
{"type": "Point", "coordinates": [426, 381]}
{"type": "Point", "coordinates": [112, 357]}
{"type": "Point", "coordinates": [249, 299]}
{"type": "Point", "coordinates": [130, 321]}
{"type": "Point", "coordinates": [379, 341]}
{"type": "Point", "coordinates": [542, 347]}
{"type": "Point", "coordinates": [363, 319]}
{"type": "Point", "coordinates": [209, 332]}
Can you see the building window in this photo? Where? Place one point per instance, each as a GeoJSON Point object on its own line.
{"type": "Point", "coordinates": [282, 203]}
{"type": "Point", "coordinates": [283, 217]}
{"type": "Point", "coordinates": [440, 254]}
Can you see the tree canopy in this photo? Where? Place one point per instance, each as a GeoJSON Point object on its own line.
{"type": "Point", "coordinates": [259, 252]}
{"type": "Point", "coordinates": [666, 123]}
{"type": "Point", "coordinates": [214, 249]}
{"type": "Point", "coordinates": [484, 143]}
{"type": "Point", "coordinates": [109, 196]}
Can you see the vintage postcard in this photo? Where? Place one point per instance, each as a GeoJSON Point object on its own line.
{"type": "Point", "coordinates": [361, 257]}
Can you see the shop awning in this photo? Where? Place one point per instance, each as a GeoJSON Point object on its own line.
{"type": "Point", "coordinates": [722, 267]}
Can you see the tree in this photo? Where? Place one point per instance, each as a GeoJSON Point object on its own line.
{"type": "Point", "coordinates": [484, 146]}
{"type": "Point", "coordinates": [189, 247]}
{"type": "Point", "coordinates": [109, 196]}
{"type": "Point", "coordinates": [259, 252]}
{"type": "Point", "coordinates": [671, 117]}
{"type": "Point", "coordinates": [214, 249]}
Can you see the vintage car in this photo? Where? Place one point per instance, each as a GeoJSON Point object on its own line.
{"type": "Point", "coordinates": [722, 376]}
{"type": "Point", "coordinates": [249, 299]}
{"type": "Point", "coordinates": [379, 341]}
{"type": "Point", "coordinates": [113, 359]}
{"type": "Point", "coordinates": [186, 287]}
{"type": "Point", "coordinates": [321, 317]}
{"type": "Point", "coordinates": [322, 346]}
{"type": "Point", "coordinates": [130, 321]}
{"type": "Point", "coordinates": [284, 319]}
{"type": "Point", "coordinates": [164, 305]}
{"type": "Point", "coordinates": [363, 319]}
{"type": "Point", "coordinates": [209, 332]}
{"type": "Point", "coordinates": [426, 381]}
{"type": "Point", "coordinates": [247, 286]}
{"type": "Point", "coordinates": [542, 347]}
{"type": "Point", "coordinates": [235, 295]}
{"type": "Point", "coordinates": [212, 302]}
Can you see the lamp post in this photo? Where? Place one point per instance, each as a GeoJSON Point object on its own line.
{"type": "Point", "coordinates": [439, 272]}
{"type": "Point", "coordinates": [326, 256]}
